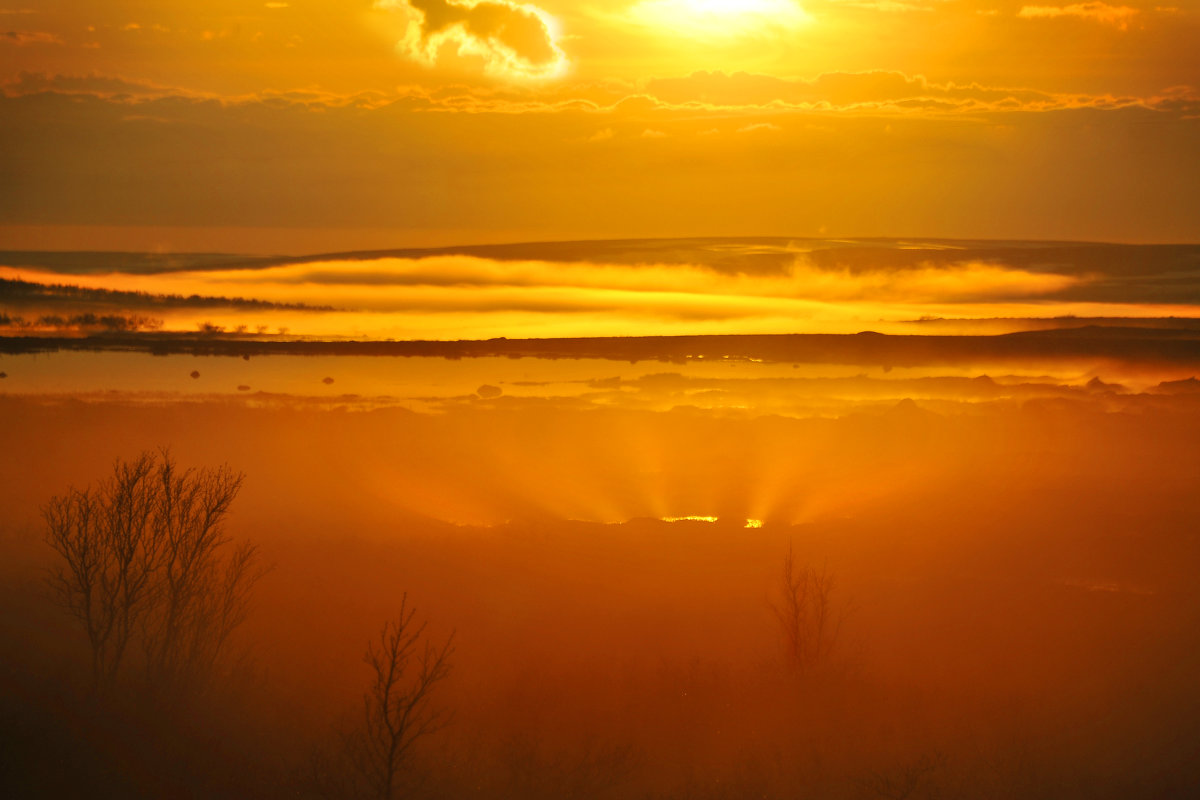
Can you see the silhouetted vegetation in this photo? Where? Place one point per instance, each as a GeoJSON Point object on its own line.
{"type": "Point", "coordinates": [809, 618]}
{"type": "Point", "coordinates": [373, 754]}
{"type": "Point", "coordinates": [1176, 349]}
{"type": "Point", "coordinates": [19, 292]}
{"type": "Point", "coordinates": [110, 323]}
{"type": "Point", "coordinates": [143, 557]}
{"type": "Point", "coordinates": [1014, 636]}
{"type": "Point", "coordinates": [903, 782]}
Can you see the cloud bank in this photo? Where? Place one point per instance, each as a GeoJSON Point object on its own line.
{"type": "Point", "coordinates": [570, 161]}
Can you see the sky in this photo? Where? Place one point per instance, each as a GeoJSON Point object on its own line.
{"type": "Point", "coordinates": [312, 126]}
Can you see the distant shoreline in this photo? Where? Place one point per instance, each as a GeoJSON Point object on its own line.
{"type": "Point", "coordinates": [1171, 346]}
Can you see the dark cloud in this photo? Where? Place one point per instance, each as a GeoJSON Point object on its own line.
{"type": "Point", "coordinates": [104, 85]}
{"type": "Point", "coordinates": [20, 38]}
{"type": "Point", "coordinates": [509, 37]}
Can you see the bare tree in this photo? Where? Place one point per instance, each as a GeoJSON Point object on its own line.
{"type": "Point", "coordinates": [144, 556]}
{"type": "Point", "coordinates": [398, 712]}
{"type": "Point", "coordinates": [203, 583]}
{"type": "Point", "coordinates": [808, 620]}
{"type": "Point", "coordinates": [106, 540]}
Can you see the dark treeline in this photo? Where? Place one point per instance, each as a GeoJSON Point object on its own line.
{"type": "Point", "coordinates": [87, 321]}
{"type": "Point", "coordinates": [15, 292]}
{"type": "Point", "coordinates": [1147, 346]}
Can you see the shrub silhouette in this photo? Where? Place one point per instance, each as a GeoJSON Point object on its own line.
{"type": "Point", "coordinates": [144, 557]}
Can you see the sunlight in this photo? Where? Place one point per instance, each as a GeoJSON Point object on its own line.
{"type": "Point", "coordinates": [720, 18]}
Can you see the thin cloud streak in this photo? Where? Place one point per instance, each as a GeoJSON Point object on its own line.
{"type": "Point", "coordinates": [1103, 13]}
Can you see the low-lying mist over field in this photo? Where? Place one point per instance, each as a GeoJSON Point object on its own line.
{"type": "Point", "coordinates": [647, 287]}
{"type": "Point", "coordinates": [1010, 599]}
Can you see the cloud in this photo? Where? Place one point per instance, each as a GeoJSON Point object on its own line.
{"type": "Point", "coordinates": [314, 163]}
{"type": "Point", "coordinates": [26, 83]}
{"type": "Point", "coordinates": [760, 127]}
{"type": "Point", "coordinates": [124, 92]}
{"type": "Point", "coordinates": [21, 38]}
{"type": "Point", "coordinates": [512, 39]}
{"type": "Point", "coordinates": [871, 92]}
{"type": "Point", "coordinates": [829, 90]}
{"type": "Point", "coordinates": [1117, 16]}
{"type": "Point", "coordinates": [880, 90]}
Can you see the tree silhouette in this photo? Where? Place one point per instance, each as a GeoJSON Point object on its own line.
{"type": "Point", "coordinates": [398, 712]}
{"type": "Point", "coordinates": [144, 556]}
{"type": "Point", "coordinates": [807, 618]}
{"type": "Point", "coordinates": [902, 783]}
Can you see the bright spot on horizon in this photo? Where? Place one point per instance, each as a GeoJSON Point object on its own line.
{"type": "Point", "coordinates": [690, 519]}
{"type": "Point", "coordinates": [754, 523]}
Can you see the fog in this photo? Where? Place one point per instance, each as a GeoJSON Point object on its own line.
{"type": "Point", "coordinates": [1013, 586]}
{"type": "Point", "coordinates": [651, 287]}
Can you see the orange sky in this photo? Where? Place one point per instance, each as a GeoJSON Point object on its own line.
{"type": "Point", "coordinates": [313, 125]}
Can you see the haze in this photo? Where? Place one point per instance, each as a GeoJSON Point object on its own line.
{"type": "Point", "coordinates": [651, 399]}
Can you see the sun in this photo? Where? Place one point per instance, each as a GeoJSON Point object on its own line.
{"type": "Point", "coordinates": [719, 18]}
{"type": "Point", "coordinates": [736, 6]}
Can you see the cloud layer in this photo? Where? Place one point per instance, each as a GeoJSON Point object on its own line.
{"type": "Point", "coordinates": [872, 154]}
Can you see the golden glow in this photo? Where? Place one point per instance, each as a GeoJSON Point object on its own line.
{"type": "Point", "coordinates": [457, 297]}
{"type": "Point", "coordinates": [326, 127]}
{"type": "Point", "coordinates": [719, 18]}
{"type": "Point", "coordinates": [982, 460]}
